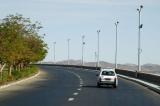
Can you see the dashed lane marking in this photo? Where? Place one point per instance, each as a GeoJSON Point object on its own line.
{"type": "Point", "coordinates": [75, 93]}
{"type": "Point", "coordinates": [70, 99]}
{"type": "Point", "coordinates": [79, 89]}
{"type": "Point", "coordinates": [80, 85]}
{"type": "Point", "coordinates": [80, 79]}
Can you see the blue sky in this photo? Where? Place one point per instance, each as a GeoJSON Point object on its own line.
{"type": "Point", "coordinates": [63, 19]}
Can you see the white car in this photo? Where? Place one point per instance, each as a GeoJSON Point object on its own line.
{"type": "Point", "coordinates": [107, 77]}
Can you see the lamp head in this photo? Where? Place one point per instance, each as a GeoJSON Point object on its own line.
{"type": "Point", "coordinates": [117, 23]}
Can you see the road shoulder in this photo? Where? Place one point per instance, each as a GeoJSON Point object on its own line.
{"type": "Point", "coordinates": [151, 86]}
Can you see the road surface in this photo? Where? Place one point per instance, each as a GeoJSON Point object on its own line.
{"type": "Point", "coordinates": [58, 86]}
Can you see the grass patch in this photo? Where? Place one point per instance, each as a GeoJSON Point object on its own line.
{"type": "Point", "coordinates": [17, 75]}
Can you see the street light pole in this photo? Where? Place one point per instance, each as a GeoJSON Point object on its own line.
{"type": "Point", "coordinates": [98, 31]}
{"type": "Point", "coordinates": [95, 56]}
{"type": "Point", "coordinates": [139, 37]}
{"type": "Point", "coordinates": [116, 24]}
{"type": "Point", "coordinates": [68, 50]}
{"type": "Point", "coordinates": [83, 43]}
{"type": "Point", "coordinates": [54, 52]}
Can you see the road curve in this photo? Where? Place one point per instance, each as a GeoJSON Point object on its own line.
{"type": "Point", "coordinates": [58, 86]}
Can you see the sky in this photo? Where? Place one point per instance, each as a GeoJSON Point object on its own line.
{"type": "Point", "coordinates": [71, 19]}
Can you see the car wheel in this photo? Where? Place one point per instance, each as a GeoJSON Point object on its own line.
{"type": "Point", "coordinates": [98, 85]}
{"type": "Point", "coordinates": [115, 85]}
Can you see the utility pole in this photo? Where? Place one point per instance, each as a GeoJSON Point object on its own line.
{"type": "Point", "coordinates": [139, 36]}
{"type": "Point", "coordinates": [68, 50]}
{"type": "Point", "coordinates": [54, 43]}
{"type": "Point", "coordinates": [116, 24]}
{"type": "Point", "coordinates": [98, 31]}
{"type": "Point", "coordinates": [95, 57]}
{"type": "Point", "coordinates": [83, 43]}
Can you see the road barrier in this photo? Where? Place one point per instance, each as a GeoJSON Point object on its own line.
{"type": "Point", "coordinates": [155, 79]}
{"type": "Point", "coordinates": [76, 66]}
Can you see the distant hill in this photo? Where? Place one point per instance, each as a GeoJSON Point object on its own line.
{"type": "Point", "coordinates": [71, 62]}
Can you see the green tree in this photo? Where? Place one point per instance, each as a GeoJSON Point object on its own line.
{"type": "Point", "coordinates": [20, 42]}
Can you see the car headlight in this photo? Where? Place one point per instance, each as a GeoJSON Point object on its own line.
{"type": "Point", "coordinates": [113, 79]}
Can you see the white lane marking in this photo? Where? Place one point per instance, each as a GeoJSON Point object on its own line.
{"type": "Point", "coordinates": [80, 82]}
{"type": "Point", "coordinates": [75, 93]}
{"type": "Point", "coordinates": [80, 79]}
{"type": "Point", "coordinates": [79, 89]}
{"type": "Point", "coordinates": [80, 85]}
{"type": "Point", "coordinates": [71, 99]}
{"type": "Point", "coordinates": [78, 76]}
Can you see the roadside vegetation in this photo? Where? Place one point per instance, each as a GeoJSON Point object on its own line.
{"type": "Point", "coordinates": [20, 45]}
{"type": "Point", "coordinates": [18, 75]}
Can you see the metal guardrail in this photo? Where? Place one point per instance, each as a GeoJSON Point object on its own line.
{"type": "Point", "coordinates": [76, 66]}
{"type": "Point", "coordinates": [155, 79]}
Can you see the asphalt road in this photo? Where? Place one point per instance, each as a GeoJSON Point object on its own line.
{"type": "Point", "coordinates": [58, 86]}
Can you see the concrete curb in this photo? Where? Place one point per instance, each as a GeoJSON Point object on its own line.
{"type": "Point", "coordinates": [19, 81]}
{"type": "Point", "coordinates": [150, 86]}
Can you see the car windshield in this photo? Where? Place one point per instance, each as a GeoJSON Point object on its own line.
{"type": "Point", "coordinates": [108, 73]}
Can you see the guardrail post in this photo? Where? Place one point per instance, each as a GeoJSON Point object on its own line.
{"type": "Point", "coordinates": [136, 73]}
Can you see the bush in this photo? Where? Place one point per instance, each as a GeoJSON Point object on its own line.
{"type": "Point", "coordinates": [17, 75]}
